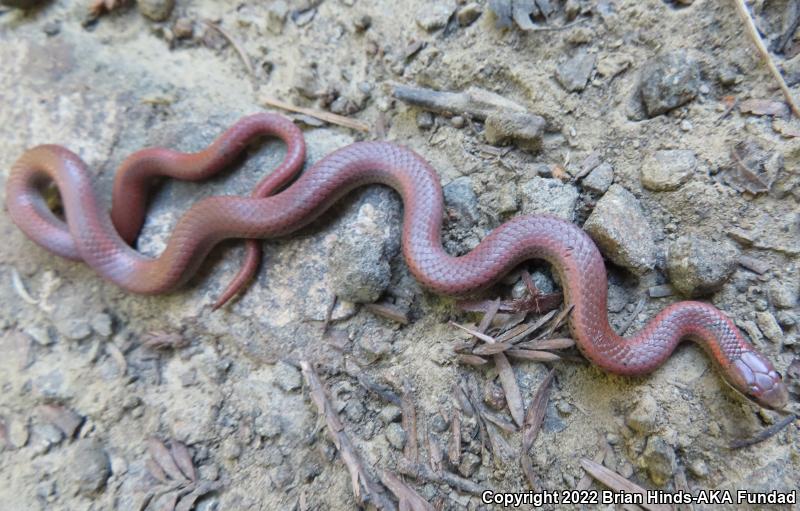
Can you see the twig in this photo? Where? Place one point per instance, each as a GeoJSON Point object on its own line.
{"type": "Point", "coordinates": [421, 471]}
{"type": "Point", "coordinates": [236, 45]}
{"type": "Point", "coordinates": [388, 311]}
{"type": "Point", "coordinates": [628, 322]}
{"type": "Point", "coordinates": [765, 433]}
{"type": "Point", "coordinates": [535, 415]}
{"type": "Point", "coordinates": [619, 483]}
{"type": "Point", "coordinates": [406, 495]}
{"type": "Point", "coordinates": [359, 477]}
{"type": "Point", "coordinates": [318, 114]}
{"type": "Point", "coordinates": [409, 422]}
{"type": "Point", "coordinates": [752, 31]}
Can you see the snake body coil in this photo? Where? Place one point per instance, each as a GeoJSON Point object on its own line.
{"type": "Point", "coordinates": [90, 235]}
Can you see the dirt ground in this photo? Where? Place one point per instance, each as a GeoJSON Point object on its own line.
{"type": "Point", "coordinates": [86, 399]}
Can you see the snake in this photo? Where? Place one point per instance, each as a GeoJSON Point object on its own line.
{"type": "Point", "coordinates": [103, 240]}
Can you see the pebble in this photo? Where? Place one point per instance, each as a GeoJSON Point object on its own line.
{"type": "Point", "coordinates": [668, 170]}
{"type": "Point", "coordinates": [434, 16]}
{"type": "Point", "coordinates": [469, 464]}
{"type": "Point", "coordinates": [359, 265]}
{"type": "Point", "coordinates": [574, 73]}
{"type": "Point", "coordinates": [458, 122]}
{"type": "Point", "coordinates": [287, 376]}
{"type": "Point", "coordinates": [156, 10]}
{"type": "Point", "coordinates": [669, 81]}
{"type": "Point", "coordinates": [74, 329]}
{"type": "Point", "coordinates": [425, 120]}
{"type": "Point", "coordinates": [659, 460]}
{"type": "Point", "coordinates": [599, 179]}
{"type": "Point", "coordinates": [395, 435]}
{"type": "Point", "coordinates": [461, 202]}
{"type": "Point", "coordinates": [390, 413]}
{"type": "Point", "coordinates": [183, 28]}
{"type": "Point", "coordinates": [468, 14]}
{"type": "Point", "coordinates": [549, 196]}
{"type": "Point", "coordinates": [620, 229]}
{"type": "Point", "coordinates": [362, 23]}
{"type": "Point", "coordinates": [268, 425]}
{"type": "Point", "coordinates": [782, 295]}
{"type": "Point", "coordinates": [354, 410]}
{"type": "Point", "coordinates": [439, 423]}
{"type": "Point", "coordinates": [102, 324]}
{"type": "Point", "coordinates": [18, 433]}
{"type": "Point", "coordinates": [523, 129]}
{"type": "Point", "coordinates": [41, 335]}
{"type": "Point", "coordinates": [493, 395]}
{"type": "Point", "coordinates": [698, 469]}
{"type": "Point", "coordinates": [614, 64]}
{"type": "Point", "coordinates": [89, 465]}
{"type": "Point", "coordinates": [52, 28]}
{"type": "Point", "coordinates": [44, 436]}
{"type": "Point", "coordinates": [644, 415]}
{"type": "Point", "coordinates": [769, 326]}
{"type": "Point", "coordinates": [698, 266]}
{"type": "Point", "coordinates": [276, 16]}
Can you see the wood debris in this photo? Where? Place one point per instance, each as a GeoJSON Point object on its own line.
{"type": "Point", "coordinates": [424, 473]}
{"type": "Point", "coordinates": [475, 103]}
{"type": "Point", "coordinates": [407, 497]}
{"type": "Point", "coordinates": [322, 115]}
{"type": "Point", "coordinates": [389, 311]}
{"type": "Point", "coordinates": [161, 340]}
{"type": "Point", "coordinates": [764, 107]}
{"type": "Point", "coordinates": [236, 45]}
{"type": "Point", "coordinates": [618, 483]}
{"type": "Point", "coordinates": [765, 433]}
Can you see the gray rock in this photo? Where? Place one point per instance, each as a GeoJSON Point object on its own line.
{"type": "Point", "coordinates": [669, 169]}
{"type": "Point", "coordinates": [359, 263]}
{"type": "Point", "coordinates": [644, 416]}
{"type": "Point", "coordinates": [574, 74]}
{"type": "Point", "coordinates": [424, 120]}
{"type": "Point", "coordinates": [354, 410]}
{"type": "Point", "coordinates": [102, 324]}
{"type": "Point", "coordinates": [619, 228]}
{"type": "Point", "coordinates": [699, 266]}
{"type": "Point", "coordinates": [369, 348]}
{"type": "Point", "coordinates": [287, 376]}
{"type": "Point", "coordinates": [276, 16]}
{"type": "Point", "coordinates": [659, 460]}
{"type": "Point", "coordinates": [469, 464]}
{"type": "Point", "coordinates": [549, 196]}
{"type": "Point", "coordinates": [44, 436]}
{"type": "Point", "coordinates": [390, 413]}
{"type": "Point", "coordinates": [439, 423]}
{"type": "Point", "coordinates": [523, 129]}
{"type": "Point", "coordinates": [434, 15]}
{"type": "Point", "coordinates": [699, 469]}
{"type": "Point", "coordinates": [74, 329]}
{"type": "Point", "coordinates": [494, 396]}
{"type": "Point", "coordinates": [769, 326]}
{"type": "Point", "coordinates": [461, 202]}
{"type": "Point", "coordinates": [42, 336]}
{"type": "Point", "coordinates": [395, 435]}
{"type": "Point", "coordinates": [468, 14]}
{"type": "Point", "coordinates": [18, 433]}
{"type": "Point", "coordinates": [669, 81]}
{"type": "Point", "coordinates": [156, 10]}
{"type": "Point", "coordinates": [268, 425]}
{"type": "Point", "coordinates": [89, 466]}
{"type": "Point", "coordinates": [783, 294]}
{"type": "Point", "coordinates": [599, 179]}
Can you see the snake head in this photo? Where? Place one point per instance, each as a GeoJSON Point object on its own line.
{"type": "Point", "coordinates": [753, 376]}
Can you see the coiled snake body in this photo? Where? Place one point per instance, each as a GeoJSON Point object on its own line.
{"type": "Point", "coordinates": [90, 235]}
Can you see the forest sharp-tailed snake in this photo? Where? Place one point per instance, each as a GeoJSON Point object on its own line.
{"type": "Point", "coordinates": [89, 235]}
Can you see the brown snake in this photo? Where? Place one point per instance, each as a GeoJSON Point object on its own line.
{"type": "Point", "coordinates": [89, 235]}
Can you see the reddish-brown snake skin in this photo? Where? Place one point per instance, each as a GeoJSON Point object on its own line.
{"type": "Point", "coordinates": [90, 235]}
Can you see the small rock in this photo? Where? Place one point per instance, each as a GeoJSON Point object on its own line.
{"type": "Point", "coordinates": [183, 28]}
{"type": "Point", "coordinates": [42, 336]}
{"type": "Point", "coordinates": [44, 436]}
{"type": "Point", "coordinates": [461, 202]}
{"type": "Point", "coordinates": [458, 122]}
{"type": "Point", "coordinates": [659, 460]}
{"type": "Point", "coordinates": [359, 265]}
{"type": "Point", "coordinates": [287, 376]}
{"type": "Point", "coordinates": [494, 396]}
{"type": "Point", "coordinates": [424, 120]}
{"type": "Point", "coordinates": [276, 16]}
{"type": "Point", "coordinates": [549, 196]}
{"type": "Point", "coordinates": [370, 348]}
{"type": "Point", "coordinates": [268, 425]}
{"type": "Point", "coordinates": [599, 179]}
{"type": "Point", "coordinates": [395, 435]}
{"type": "Point", "coordinates": [74, 329]}
{"type": "Point", "coordinates": [769, 326]}
{"type": "Point", "coordinates": [469, 464]}
{"type": "Point", "coordinates": [574, 74]}
{"type": "Point", "coordinates": [698, 469]}
{"type": "Point", "coordinates": [614, 64]}
{"type": "Point", "coordinates": [620, 229]}
{"type": "Point", "coordinates": [468, 14]}
{"type": "Point", "coordinates": [644, 416]}
{"type": "Point", "coordinates": [18, 433]}
{"type": "Point", "coordinates": [434, 16]}
{"type": "Point", "coordinates": [698, 266]}
{"type": "Point", "coordinates": [303, 17]}
{"type": "Point", "coordinates": [668, 170]}
{"type": "Point", "coordinates": [52, 28]}
{"type": "Point", "coordinates": [362, 23]}
{"type": "Point", "coordinates": [89, 465]}
{"type": "Point", "coordinates": [782, 295]}
{"type": "Point", "coordinates": [354, 410]}
{"type": "Point", "coordinates": [102, 324]}
{"type": "Point", "coordinates": [156, 10]}
{"type": "Point", "coordinates": [525, 130]}
{"type": "Point", "coordinates": [669, 81]}
{"type": "Point", "coordinates": [439, 423]}
{"type": "Point", "coordinates": [390, 413]}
